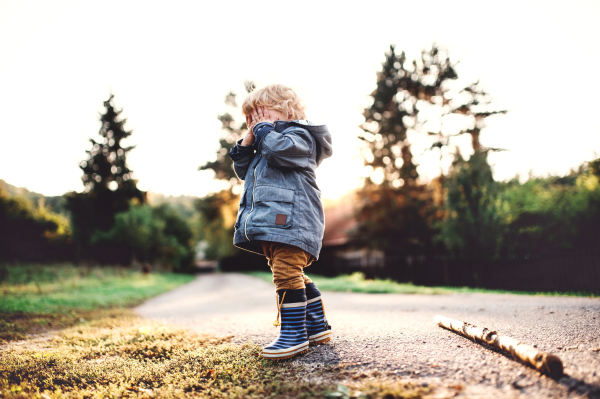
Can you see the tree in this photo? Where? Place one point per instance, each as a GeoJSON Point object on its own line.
{"type": "Point", "coordinates": [403, 90]}
{"type": "Point", "coordinates": [231, 132]}
{"type": "Point", "coordinates": [218, 210]}
{"type": "Point", "coordinates": [473, 228]}
{"type": "Point", "coordinates": [109, 185]}
{"type": "Point", "coordinates": [394, 207]}
{"type": "Point", "coordinates": [420, 97]}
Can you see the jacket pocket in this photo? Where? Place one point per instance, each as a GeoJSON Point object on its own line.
{"type": "Point", "coordinates": [274, 207]}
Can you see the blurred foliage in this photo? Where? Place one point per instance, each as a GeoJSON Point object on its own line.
{"type": "Point", "coordinates": [110, 222]}
{"type": "Point", "coordinates": [396, 211]}
{"type": "Point", "coordinates": [217, 219]}
{"type": "Point", "coordinates": [56, 204]}
{"type": "Point", "coordinates": [546, 215]}
{"type": "Point", "coordinates": [396, 220]}
{"type": "Point", "coordinates": [472, 228]}
{"type": "Point", "coordinates": [152, 235]}
{"type": "Point", "coordinates": [31, 233]}
{"type": "Point", "coordinates": [464, 214]}
{"type": "Point", "coordinates": [109, 187]}
{"type": "Point", "coordinates": [106, 169]}
{"type": "Point", "coordinates": [487, 220]}
{"type": "Point", "coordinates": [418, 96]}
{"type": "Point", "coordinates": [218, 211]}
{"type": "Point", "coordinates": [231, 131]}
{"type": "Point", "coordinates": [184, 205]}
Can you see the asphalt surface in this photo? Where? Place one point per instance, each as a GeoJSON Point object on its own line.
{"type": "Point", "coordinates": [393, 336]}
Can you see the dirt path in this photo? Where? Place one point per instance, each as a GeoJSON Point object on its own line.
{"type": "Point", "coordinates": [394, 335]}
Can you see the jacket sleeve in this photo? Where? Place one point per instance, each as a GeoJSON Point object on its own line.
{"type": "Point", "coordinates": [291, 149]}
{"type": "Point", "coordinates": [241, 157]}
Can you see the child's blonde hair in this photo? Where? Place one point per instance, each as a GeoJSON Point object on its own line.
{"type": "Point", "coordinates": [278, 97]}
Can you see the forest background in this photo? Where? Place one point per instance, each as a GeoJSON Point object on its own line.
{"type": "Point", "coordinates": [436, 162]}
{"type": "Point", "coordinates": [462, 215]}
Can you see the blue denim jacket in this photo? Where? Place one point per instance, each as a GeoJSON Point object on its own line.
{"type": "Point", "coordinates": [281, 200]}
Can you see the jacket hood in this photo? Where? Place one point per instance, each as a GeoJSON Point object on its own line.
{"type": "Point", "coordinates": [319, 132]}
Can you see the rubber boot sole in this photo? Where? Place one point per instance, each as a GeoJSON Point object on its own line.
{"type": "Point", "coordinates": [281, 354]}
{"type": "Point", "coordinates": [320, 338]}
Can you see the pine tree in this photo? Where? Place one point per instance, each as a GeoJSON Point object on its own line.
{"type": "Point", "coordinates": [402, 91]}
{"type": "Point", "coordinates": [109, 185]}
{"type": "Point", "coordinates": [106, 169]}
{"type": "Point", "coordinates": [412, 97]}
{"type": "Point", "coordinates": [395, 209]}
{"type": "Point", "coordinates": [472, 229]}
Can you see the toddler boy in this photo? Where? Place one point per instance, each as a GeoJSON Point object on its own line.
{"type": "Point", "coordinates": [281, 213]}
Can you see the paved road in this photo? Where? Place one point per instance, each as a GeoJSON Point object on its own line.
{"type": "Point", "coordinates": [395, 334]}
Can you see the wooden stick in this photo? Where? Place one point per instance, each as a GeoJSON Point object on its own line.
{"type": "Point", "coordinates": [542, 361]}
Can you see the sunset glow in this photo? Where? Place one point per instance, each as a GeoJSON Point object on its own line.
{"type": "Point", "coordinates": [171, 64]}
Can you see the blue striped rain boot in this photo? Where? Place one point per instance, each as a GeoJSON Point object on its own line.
{"type": "Point", "coordinates": [319, 331]}
{"type": "Point", "coordinates": [292, 339]}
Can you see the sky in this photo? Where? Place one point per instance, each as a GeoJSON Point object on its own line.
{"type": "Point", "coordinates": [170, 65]}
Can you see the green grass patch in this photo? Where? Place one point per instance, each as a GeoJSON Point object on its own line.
{"type": "Point", "coordinates": [36, 298]}
{"type": "Point", "coordinates": [356, 282]}
{"type": "Point", "coordinates": [123, 355]}
{"type": "Point", "coordinates": [45, 289]}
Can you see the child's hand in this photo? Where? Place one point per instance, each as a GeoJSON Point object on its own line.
{"type": "Point", "coordinates": [249, 122]}
{"type": "Point", "coordinates": [261, 114]}
{"type": "Point", "coordinates": [249, 136]}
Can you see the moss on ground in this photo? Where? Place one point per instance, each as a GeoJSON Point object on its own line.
{"type": "Point", "coordinates": [122, 355]}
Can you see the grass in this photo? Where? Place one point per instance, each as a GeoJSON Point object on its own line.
{"type": "Point", "coordinates": [59, 289]}
{"type": "Point", "coordinates": [121, 355]}
{"type": "Point", "coordinates": [100, 348]}
{"type": "Point", "coordinates": [35, 298]}
{"type": "Point", "coordinates": [356, 282]}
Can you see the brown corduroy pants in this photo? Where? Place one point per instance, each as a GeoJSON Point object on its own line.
{"type": "Point", "coordinates": [287, 263]}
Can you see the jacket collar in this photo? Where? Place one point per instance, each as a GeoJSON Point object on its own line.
{"type": "Point", "coordinates": [280, 126]}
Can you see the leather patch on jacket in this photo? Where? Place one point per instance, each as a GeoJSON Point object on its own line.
{"type": "Point", "coordinates": [280, 219]}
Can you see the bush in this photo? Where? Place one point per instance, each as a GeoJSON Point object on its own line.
{"type": "Point", "coordinates": [552, 214]}
{"type": "Point", "coordinates": [32, 234]}
{"type": "Point", "coordinates": [153, 235]}
{"type": "Point", "coordinates": [472, 228]}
